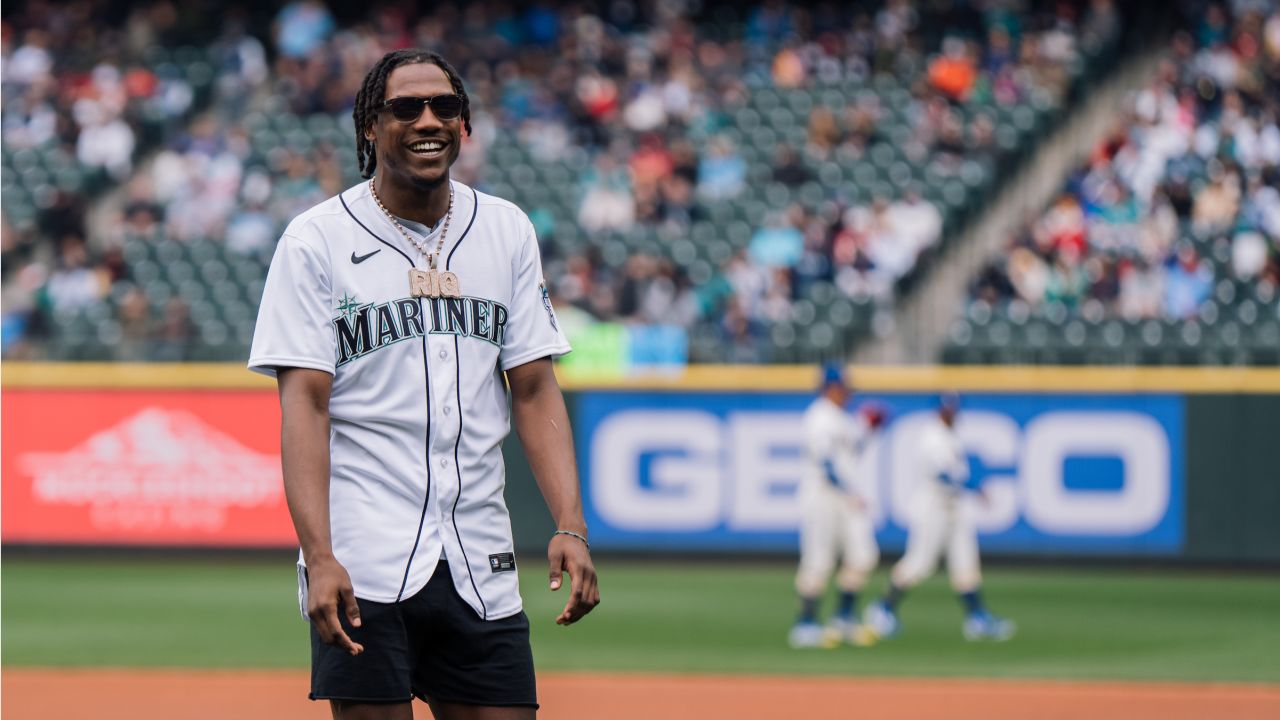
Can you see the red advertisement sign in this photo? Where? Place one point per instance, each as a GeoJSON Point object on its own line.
{"type": "Point", "coordinates": [142, 467]}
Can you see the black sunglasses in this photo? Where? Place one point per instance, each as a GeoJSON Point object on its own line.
{"type": "Point", "coordinates": [409, 109]}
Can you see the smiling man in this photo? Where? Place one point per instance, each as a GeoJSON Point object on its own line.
{"type": "Point", "coordinates": [391, 315]}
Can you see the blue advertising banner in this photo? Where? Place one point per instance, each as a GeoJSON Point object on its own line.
{"type": "Point", "coordinates": [698, 471]}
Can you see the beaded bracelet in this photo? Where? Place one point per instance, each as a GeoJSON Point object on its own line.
{"type": "Point", "coordinates": [571, 533]}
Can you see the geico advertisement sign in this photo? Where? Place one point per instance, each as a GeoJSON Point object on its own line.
{"type": "Point", "coordinates": [720, 471]}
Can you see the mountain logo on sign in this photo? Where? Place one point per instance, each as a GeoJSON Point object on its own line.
{"type": "Point", "coordinates": [157, 456]}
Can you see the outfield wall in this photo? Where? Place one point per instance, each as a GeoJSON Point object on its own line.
{"type": "Point", "coordinates": [1078, 462]}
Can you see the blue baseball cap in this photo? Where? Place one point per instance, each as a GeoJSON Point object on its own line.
{"type": "Point", "coordinates": [833, 374]}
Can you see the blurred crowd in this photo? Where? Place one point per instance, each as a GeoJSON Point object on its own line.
{"type": "Point", "coordinates": [646, 93]}
{"type": "Point", "coordinates": [88, 87]}
{"type": "Point", "coordinates": [1193, 164]}
{"type": "Point", "coordinates": [863, 246]}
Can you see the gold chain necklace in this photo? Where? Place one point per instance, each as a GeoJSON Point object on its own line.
{"type": "Point", "coordinates": [422, 248]}
{"type": "Point", "coordinates": [426, 283]}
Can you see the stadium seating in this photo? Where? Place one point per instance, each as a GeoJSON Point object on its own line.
{"type": "Point", "coordinates": [1219, 132]}
{"type": "Point", "coordinates": [193, 271]}
{"type": "Point", "coordinates": [36, 174]}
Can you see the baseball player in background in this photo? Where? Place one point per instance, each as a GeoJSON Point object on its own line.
{"type": "Point", "coordinates": [833, 515]}
{"type": "Point", "coordinates": [407, 324]}
{"type": "Point", "coordinates": [942, 519]}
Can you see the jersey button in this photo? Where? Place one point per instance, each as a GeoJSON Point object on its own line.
{"type": "Point", "coordinates": [448, 409]}
{"type": "Point", "coordinates": [443, 354]}
{"type": "Point", "coordinates": [444, 462]}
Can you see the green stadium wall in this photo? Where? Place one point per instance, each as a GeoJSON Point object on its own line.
{"type": "Point", "coordinates": [1233, 478]}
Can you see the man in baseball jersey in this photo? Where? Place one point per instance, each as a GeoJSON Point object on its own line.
{"type": "Point", "coordinates": [942, 519]}
{"type": "Point", "coordinates": [833, 515]}
{"type": "Point", "coordinates": [405, 322]}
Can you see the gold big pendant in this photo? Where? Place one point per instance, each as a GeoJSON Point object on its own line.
{"type": "Point", "coordinates": [433, 284]}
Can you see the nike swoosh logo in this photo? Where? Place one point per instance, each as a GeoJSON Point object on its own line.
{"type": "Point", "coordinates": [357, 259]}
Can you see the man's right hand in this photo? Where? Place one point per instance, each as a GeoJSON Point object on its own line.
{"type": "Point", "coordinates": [329, 592]}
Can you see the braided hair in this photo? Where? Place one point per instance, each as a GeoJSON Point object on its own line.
{"type": "Point", "coordinates": [373, 93]}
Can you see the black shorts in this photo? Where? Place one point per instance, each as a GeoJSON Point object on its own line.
{"type": "Point", "coordinates": [432, 645]}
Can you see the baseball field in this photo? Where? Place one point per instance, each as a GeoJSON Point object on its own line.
{"type": "Point", "coordinates": [201, 637]}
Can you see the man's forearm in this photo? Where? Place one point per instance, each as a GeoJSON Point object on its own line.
{"type": "Point", "coordinates": [543, 425]}
{"type": "Point", "coordinates": [305, 454]}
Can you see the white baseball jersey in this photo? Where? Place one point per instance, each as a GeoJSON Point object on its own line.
{"type": "Point", "coordinates": [832, 433]}
{"type": "Point", "coordinates": [944, 467]}
{"type": "Point", "coordinates": [419, 406]}
{"type": "Point", "coordinates": [941, 514]}
{"type": "Point", "coordinates": [831, 523]}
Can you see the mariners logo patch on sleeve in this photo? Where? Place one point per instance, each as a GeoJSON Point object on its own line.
{"type": "Point", "coordinates": [502, 562]}
{"type": "Point", "coordinates": [546, 303]}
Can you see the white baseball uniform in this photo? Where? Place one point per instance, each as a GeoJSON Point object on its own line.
{"type": "Point", "coordinates": [419, 405]}
{"type": "Point", "coordinates": [941, 513]}
{"type": "Point", "coordinates": [832, 519]}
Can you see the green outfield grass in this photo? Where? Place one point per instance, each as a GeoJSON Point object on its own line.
{"type": "Point", "coordinates": [669, 617]}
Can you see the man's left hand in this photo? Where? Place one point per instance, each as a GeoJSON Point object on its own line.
{"type": "Point", "coordinates": [568, 554]}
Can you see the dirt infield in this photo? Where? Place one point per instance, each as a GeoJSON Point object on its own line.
{"type": "Point", "coordinates": [36, 694]}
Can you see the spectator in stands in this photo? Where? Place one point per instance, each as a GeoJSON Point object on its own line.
{"type": "Point", "coordinates": [981, 138]}
{"type": "Point", "coordinates": [916, 221]}
{"type": "Point", "coordinates": [1187, 283]}
{"type": "Point", "coordinates": [816, 259]}
{"type": "Point", "coordinates": [741, 336]}
{"type": "Point", "coordinates": [301, 27]}
{"type": "Point", "coordinates": [670, 299]}
{"type": "Point", "coordinates": [1159, 229]}
{"type": "Point", "coordinates": [1216, 205]}
{"type": "Point", "coordinates": [134, 316]}
{"type": "Point", "coordinates": [1249, 253]}
{"type": "Point", "coordinates": [24, 320]}
{"type": "Point", "coordinates": [892, 251]}
{"type": "Point", "coordinates": [252, 231]}
{"type": "Point", "coordinates": [824, 133]}
{"type": "Point", "coordinates": [637, 276]}
{"type": "Point", "coordinates": [999, 51]}
{"type": "Point", "coordinates": [1261, 208]}
{"type": "Point", "coordinates": [30, 119]}
{"type": "Point", "coordinates": [953, 72]}
{"type": "Point", "coordinates": [787, 168]}
{"type": "Point", "coordinates": [1141, 289]}
{"type": "Point", "coordinates": [241, 63]}
{"type": "Point", "coordinates": [105, 140]}
{"type": "Point", "coordinates": [1064, 225]}
{"type": "Point", "coordinates": [992, 285]}
{"type": "Point", "coordinates": [863, 120]}
{"type": "Point", "coordinates": [788, 69]}
{"type": "Point", "coordinates": [645, 111]}
{"type": "Point", "coordinates": [300, 188]}
{"type": "Point", "coordinates": [607, 203]}
{"type": "Point", "coordinates": [1103, 280]}
{"type": "Point", "coordinates": [769, 22]}
{"type": "Point", "coordinates": [1067, 282]}
{"type": "Point", "coordinates": [860, 278]}
{"type": "Point", "coordinates": [174, 333]}
{"type": "Point", "coordinates": [779, 243]}
{"type": "Point", "coordinates": [74, 284]}
{"type": "Point", "coordinates": [722, 173]}
{"type": "Point", "coordinates": [1029, 274]}
{"type": "Point", "coordinates": [650, 163]}
{"type": "Point", "coordinates": [775, 306]}
{"type": "Point", "coordinates": [677, 208]}
{"type": "Point", "coordinates": [32, 62]}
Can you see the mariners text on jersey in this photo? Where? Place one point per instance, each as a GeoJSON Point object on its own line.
{"type": "Point", "coordinates": [363, 329]}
